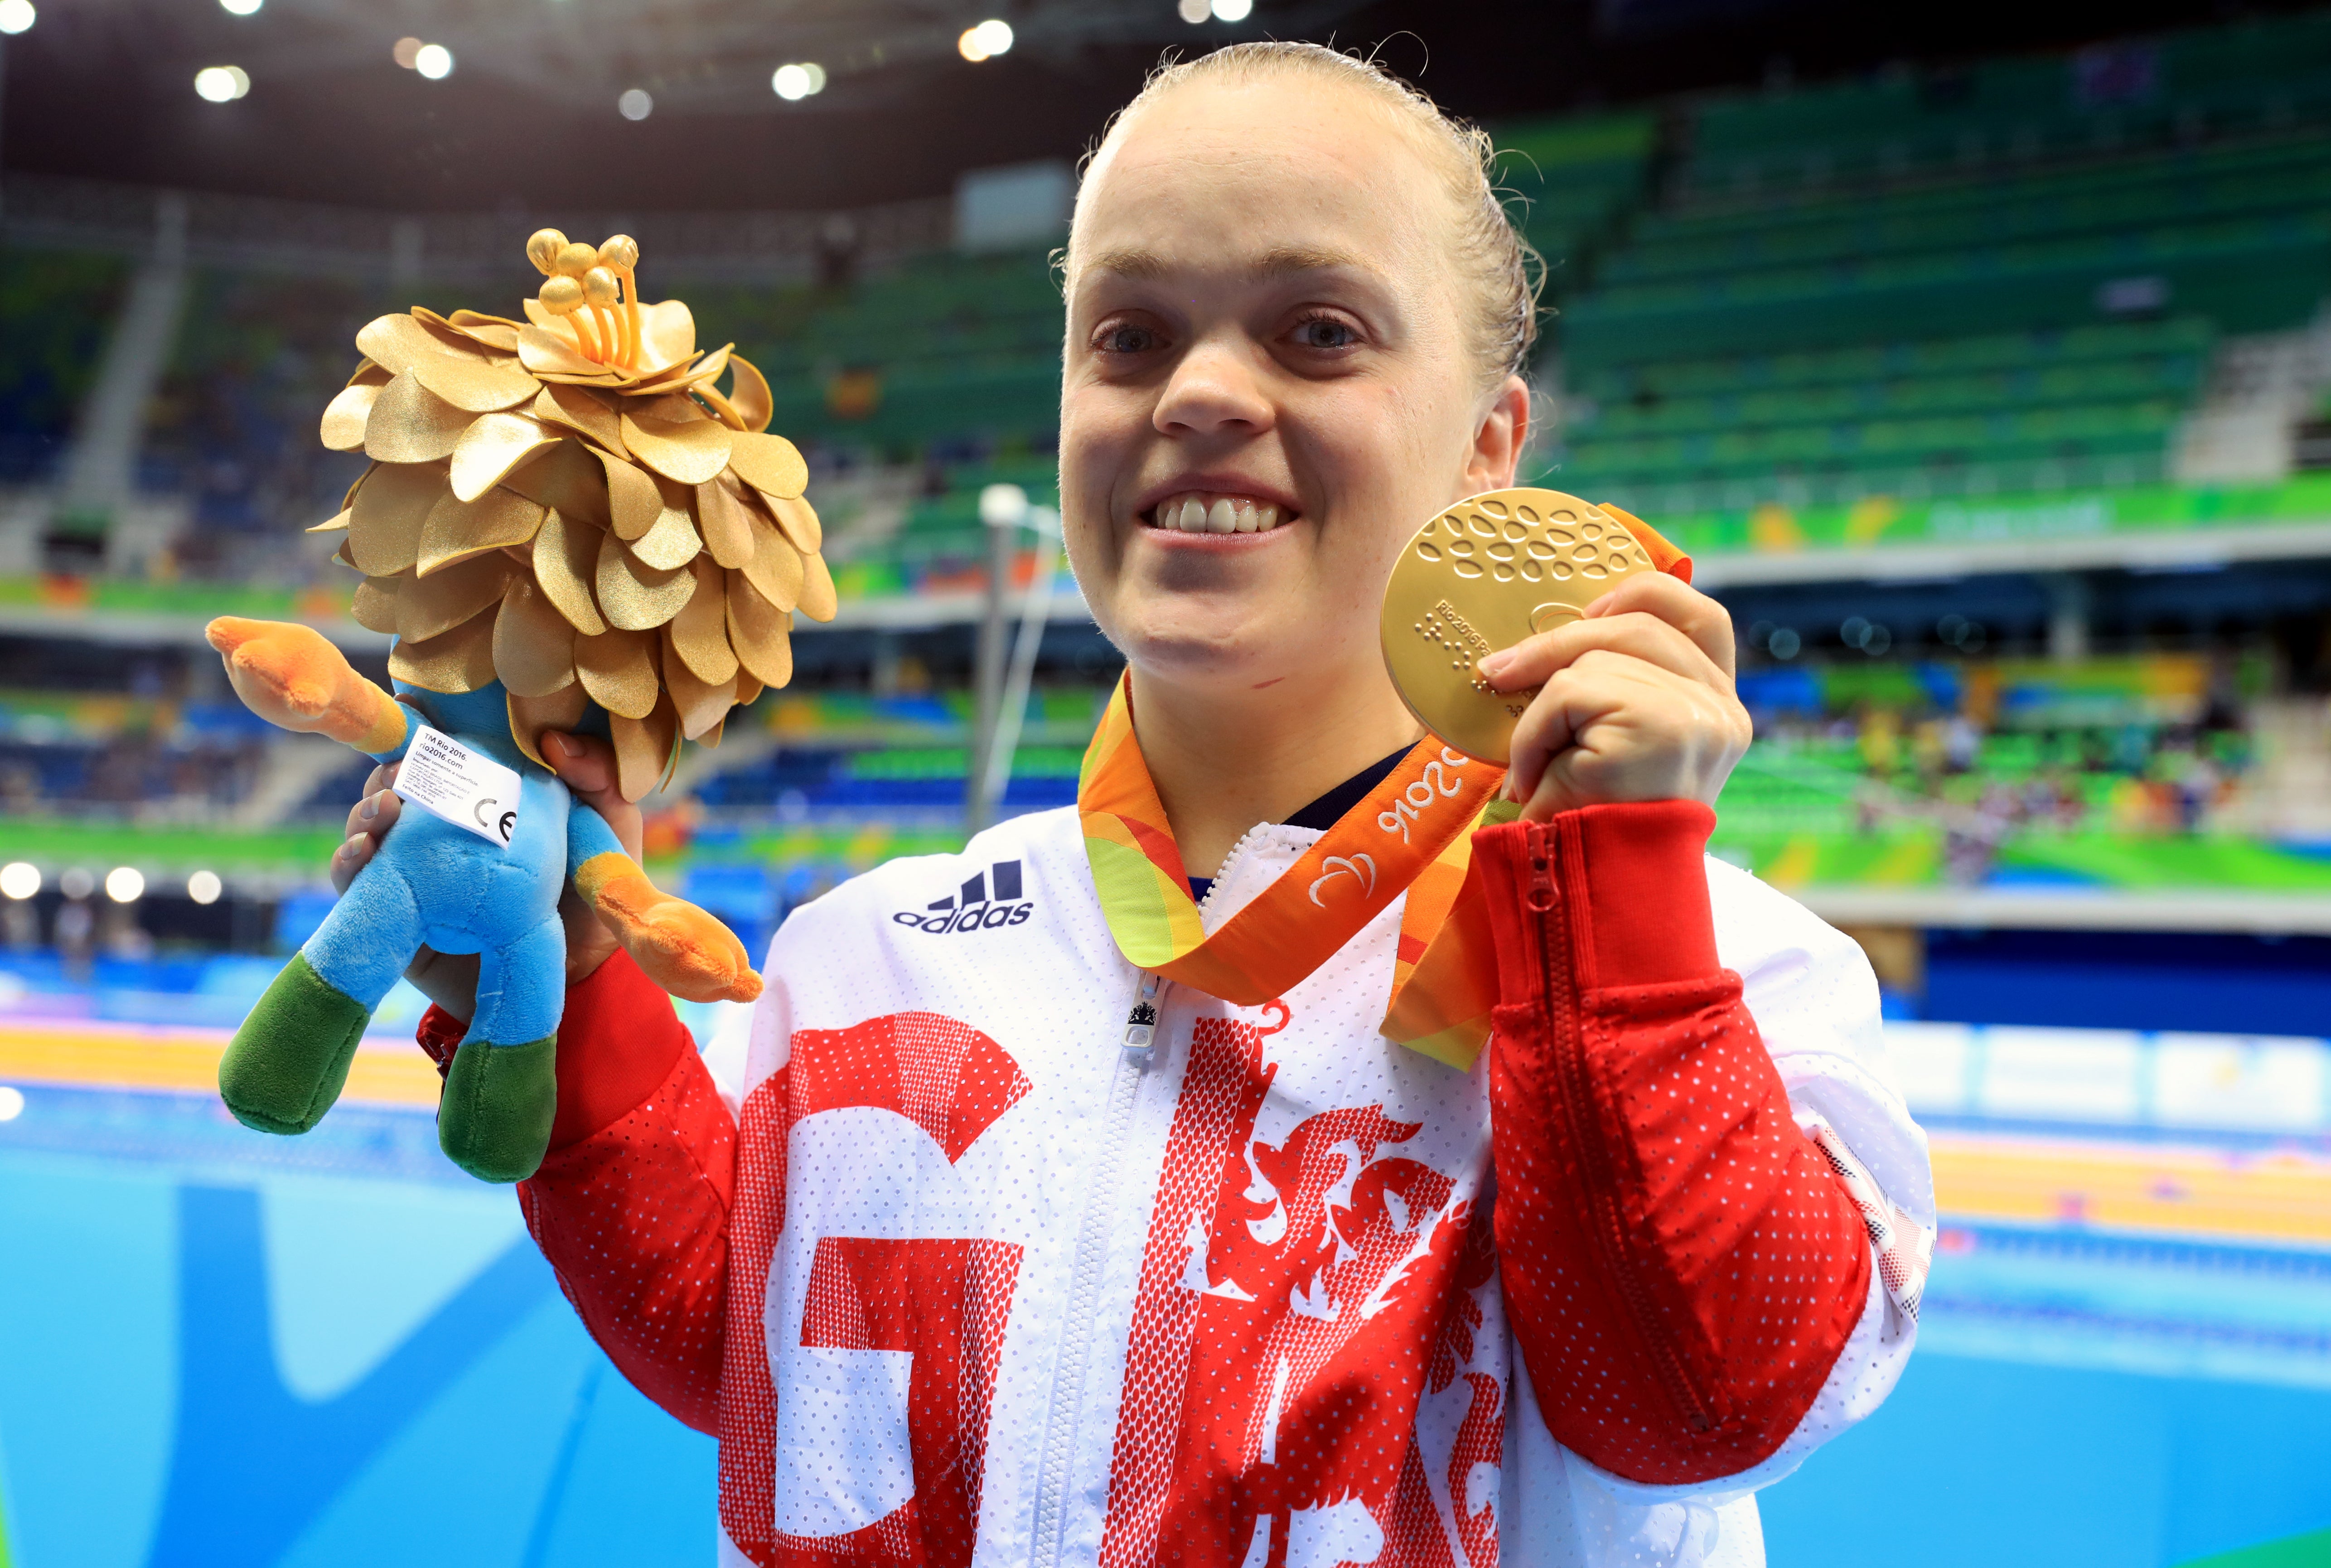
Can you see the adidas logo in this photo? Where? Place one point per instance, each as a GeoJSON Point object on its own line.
{"type": "Point", "coordinates": [971, 909]}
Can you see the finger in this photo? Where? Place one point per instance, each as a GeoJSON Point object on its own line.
{"type": "Point", "coordinates": [380, 778]}
{"type": "Point", "coordinates": [448, 979]}
{"type": "Point", "coordinates": [1533, 660]}
{"type": "Point", "coordinates": [588, 766]}
{"type": "Point", "coordinates": [1682, 607]}
{"type": "Point", "coordinates": [1660, 737]}
{"type": "Point", "coordinates": [1568, 704]}
{"type": "Point", "coordinates": [376, 814]}
{"type": "Point", "coordinates": [1559, 790]}
{"type": "Point", "coordinates": [1574, 700]}
{"type": "Point", "coordinates": [586, 762]}
{"type": "Point", "coordinates": [1668, 767]}
{"type": "Point", "coordinates": [589, 942]}
{"type": "Point", "coordinates": [354, 854]}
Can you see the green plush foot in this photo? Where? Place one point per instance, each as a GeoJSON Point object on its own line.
{"type": "Point", "coordinates": [493, 1119]}
{"type": "Point", "coordinates": [286, 1064]}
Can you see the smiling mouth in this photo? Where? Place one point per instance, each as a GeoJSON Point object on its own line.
{"type": "Point", "coordinates": [1203, 512]}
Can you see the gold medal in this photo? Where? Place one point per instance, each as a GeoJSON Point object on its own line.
{"type": "Point", "coordinates": [1481, 576]}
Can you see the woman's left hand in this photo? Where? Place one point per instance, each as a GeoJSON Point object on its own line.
{"type": "Point", "coordinates": [1637, 701]}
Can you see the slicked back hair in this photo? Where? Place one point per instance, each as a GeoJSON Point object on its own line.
{"type": "Point", "coordinates": [1502, 269]}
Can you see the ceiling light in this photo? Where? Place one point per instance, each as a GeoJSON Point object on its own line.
{"type": "Point", "coordinates": [1193, 11]}
{"type": "Point", "coordinates": [406, 52]}
{"type": "Point", "coordinates": [635, 104]}
{"type": "Point", "coordinates": [222, 83]}
{"type": "Point", "coordinates": [20, 879]}
{"type": "Point", "coordinates": [985, 41]}
{"type": "Point", "coordinates": [240, 7]}
{"type": "Point", "coordinates": [434, 61]}
{"type": "Point", "coordinates": [124, 884]}
{"type": "Point", "coordinates": [1234, 9]}
{"type": "Point", "coordinates": [204, 887]}
{"type": "Point", "coordinates": [796, 82]}
{"type": "Point", "coordinates": [17, 15]}
{"type": "Point", "coordinates": [77, 882]}
{"type": "Point", "coordinates": [12, 1102]}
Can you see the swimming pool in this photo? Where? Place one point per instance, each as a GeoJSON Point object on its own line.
{"type": "Point", "coordinates": [219, 1347]}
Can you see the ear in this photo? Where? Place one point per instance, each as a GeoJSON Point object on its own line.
{"type": "Point", "coordinates": [1499, 439]}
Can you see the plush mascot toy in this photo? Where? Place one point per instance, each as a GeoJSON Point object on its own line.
{"type": "Point", "coordinates": [567, 526]}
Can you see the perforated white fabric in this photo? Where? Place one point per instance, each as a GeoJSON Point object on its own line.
{"type": "Point", "coordinates": [1064, 1444]}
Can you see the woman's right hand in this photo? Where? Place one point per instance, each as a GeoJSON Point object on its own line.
{"type": "Point", "coordinates": [448, 979]}
{"type": "Point", "coordinates": [588, 766]}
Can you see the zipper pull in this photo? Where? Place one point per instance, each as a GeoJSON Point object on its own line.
{"type": "Point", "coordinates": [1542, 895]}
{"type": "Point", "coordinates": [1141, 1024]}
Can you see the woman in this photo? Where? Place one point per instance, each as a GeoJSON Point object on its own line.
{"type": "Point", "coordinates": [1006, 1236]}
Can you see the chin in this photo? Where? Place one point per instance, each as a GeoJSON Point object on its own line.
{"type": "Point", "coordinates": [1195, 645]}
{"type": "Point", "coordinates": [1202, 640]}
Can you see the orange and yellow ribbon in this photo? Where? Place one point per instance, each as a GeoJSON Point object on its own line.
{"type": "Point", "coordinates": [1413, 834]}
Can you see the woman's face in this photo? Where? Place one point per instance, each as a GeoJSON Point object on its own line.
{"type": "Point", "coordinates": [1269, 382]}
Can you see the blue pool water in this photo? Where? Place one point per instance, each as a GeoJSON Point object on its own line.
{"type": "Point", "coordinates": [217, 1348]}
{"type": "Point", "coordinates": [2006, 1463]}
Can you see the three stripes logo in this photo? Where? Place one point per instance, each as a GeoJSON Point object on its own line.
{"type": "Point", "coordinates": [971, 909]}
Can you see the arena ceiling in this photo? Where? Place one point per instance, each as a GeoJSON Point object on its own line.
{"type": "Point", "coordinates": [528, 114]}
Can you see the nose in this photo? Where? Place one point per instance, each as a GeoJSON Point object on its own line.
{"type": "Point", "coordinates": [1214, 389]}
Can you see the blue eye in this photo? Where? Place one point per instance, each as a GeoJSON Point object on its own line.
{"type": "Point", "coordinates": [1125, 339]}
{"type": "Point", "coordinates": [1325, 332]}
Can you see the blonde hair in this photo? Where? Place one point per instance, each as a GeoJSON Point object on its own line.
{"type": "Point", "coordinates": [1504, 269]}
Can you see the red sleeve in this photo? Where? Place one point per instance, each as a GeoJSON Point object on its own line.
{"type": "Point", "coordinates": [1680, 1265]}
{"type": "Point", "coordinates": [631, 1205]}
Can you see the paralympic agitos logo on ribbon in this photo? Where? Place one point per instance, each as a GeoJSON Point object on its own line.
{"type": "Point", "coordinates": [971, 909]}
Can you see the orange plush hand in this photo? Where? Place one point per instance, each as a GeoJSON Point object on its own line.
{"type": "Point", "coordinates": [679, 946]}
{"type": "Point", "coordinates": [293, 677]}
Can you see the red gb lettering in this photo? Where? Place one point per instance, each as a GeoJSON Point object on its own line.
{"type": "Point", "coordinates": [871, 1434]}
{"type": "Point", "coordinates": [941, 1304]}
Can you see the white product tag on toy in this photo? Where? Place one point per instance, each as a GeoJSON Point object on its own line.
{"type": "Point", "coordinates": [467, 788]}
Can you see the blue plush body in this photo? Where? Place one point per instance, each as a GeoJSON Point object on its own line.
{"type": "Point", "coordinates": [437, 885]}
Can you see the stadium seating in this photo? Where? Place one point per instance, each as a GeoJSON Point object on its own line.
{"type": "Point", "coordinates": [2005, 278]}
{"type": "Point", "coordinates": [1566, 180]}
{"type": "Point", "coordinates": [944, 349]}
{"type": "Point", "coordinates": [2262, 75]}
{"type": "Point", "coordinates": [1756, 298]}
{"type": "Point", "coordinates": [233, 427]}
{"type": "Point", "coordinates": [2093, 404]}
{"type": "Point", "coordinates": [54, 307]}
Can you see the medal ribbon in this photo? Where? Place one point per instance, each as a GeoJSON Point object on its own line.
{"type": "Point", "coordinates": [1412, 834]}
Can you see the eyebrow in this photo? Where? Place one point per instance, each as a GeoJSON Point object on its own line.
{"type": "Point", "coordinates": [1280, 262]}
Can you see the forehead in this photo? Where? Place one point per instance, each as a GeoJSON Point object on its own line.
{"type": "Point", "coordinates": [1210, 171]}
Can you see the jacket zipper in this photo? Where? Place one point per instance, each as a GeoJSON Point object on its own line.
{"type": "Point", "coordinates": [1134, 1055]}
{"type": "Point", "coordinates": [1545, 901]}
{"type": "Point", "coordinates": [1093, 1237]}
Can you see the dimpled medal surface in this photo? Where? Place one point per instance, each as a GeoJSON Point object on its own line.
{"type": "Point", "coordinates": [1481, 576]}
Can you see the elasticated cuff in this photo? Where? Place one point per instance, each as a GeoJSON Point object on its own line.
{"type": "Point", "coordinates": [1646, 883]}
{"type": "Point", "coordinates": [1635, 878]}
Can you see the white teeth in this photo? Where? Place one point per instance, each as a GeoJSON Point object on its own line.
{"type": "Point", "coordinates": [1225, 515]}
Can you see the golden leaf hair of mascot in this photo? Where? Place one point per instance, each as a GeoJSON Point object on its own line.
{"type": "Point", "coordinates": [567, 526]}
